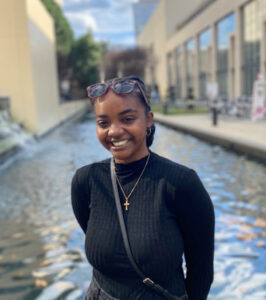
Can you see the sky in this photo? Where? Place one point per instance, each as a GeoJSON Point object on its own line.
{"type": "Point", "coordinates": [108, 20]}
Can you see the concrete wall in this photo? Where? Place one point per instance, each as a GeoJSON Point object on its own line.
{"type": "Point", "coordinates": [179, 11]}
{"type": "Point", "coordinates": [16, 78]}
{"type": "Point", "coordinates": [28, 66]}
{"type": "Point", "coordinates": [44, 65]}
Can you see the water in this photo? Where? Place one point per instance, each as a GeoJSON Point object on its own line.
{"type": "Point", "coordinates": [12, 135]}
{"type": "Point", "coordinates": [41, 246]}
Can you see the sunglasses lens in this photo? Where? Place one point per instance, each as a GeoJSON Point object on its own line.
{"type": "Point", "coordinates": [97, 90]}
{"type": "Point", "coordinates": [124, 87]}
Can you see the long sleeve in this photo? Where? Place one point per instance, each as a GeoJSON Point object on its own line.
{"type": "Point", "coordinates": [197, 226]}
{"type": "Point", "coordinates": [80, 202]}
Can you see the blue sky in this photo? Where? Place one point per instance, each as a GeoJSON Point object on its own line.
{"type": "Point", "coordinates": [224, 28]}
{"type": "Point", "coordinates": [109, 20]}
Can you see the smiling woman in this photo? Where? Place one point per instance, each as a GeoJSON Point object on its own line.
{"type": "Point", "coordinates": [166, 210]}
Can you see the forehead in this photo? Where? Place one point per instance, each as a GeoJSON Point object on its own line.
{"type": "Point", "coordinates": [111, 102]}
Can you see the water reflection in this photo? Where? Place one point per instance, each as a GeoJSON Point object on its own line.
{"type": "Point", "coordinates": [41, 246]}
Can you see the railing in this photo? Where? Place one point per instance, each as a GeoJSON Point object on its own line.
{"type": "Point", "coordinates": [240, 108]}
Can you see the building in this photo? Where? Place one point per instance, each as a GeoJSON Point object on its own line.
{"type": "Point", "coordinates": [195, 42]}
{"type": "Point", "coordinates": [142, 12]}
{"type": "Point", "coordinates": [29, 68]}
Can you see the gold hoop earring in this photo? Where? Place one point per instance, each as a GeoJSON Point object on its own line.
{"type": "Point", "coordinates": [148, 131]}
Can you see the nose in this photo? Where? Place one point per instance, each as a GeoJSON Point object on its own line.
{"type": "Point", "coordinates": [115, 130]}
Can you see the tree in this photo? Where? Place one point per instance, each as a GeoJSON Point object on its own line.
{"type": "Point", "coordinates": [125, 62]}
{"type": "Point", "coordinates": [64, 41]}
{"type": "Point", "coordinates": [78, 60]}
{"type": "Point", "coordinates": [85, 59]}
{"type": "Point", "coordinates": [64, 33]}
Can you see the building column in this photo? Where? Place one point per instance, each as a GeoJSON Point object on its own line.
{"type": "Point", "coordinates": [214, 53]}
{"type": "Point", "coordinates": [184, 72]}
{"type": "Point", "coordinates": [173, 69]}
{"type": "Point", "coordinates": [196, 70]}
{"type": "Point", "coordinates": [209, 63]}
{"type": "Point", "coordinates": [231, 67]}
{"type": "Point", "coordinates": [238, 53]}
{"type": "Point", "coordinates": [263, 49]}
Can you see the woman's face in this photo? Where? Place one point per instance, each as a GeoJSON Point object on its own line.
{"type": "Point", "coordinates": [121, 126]}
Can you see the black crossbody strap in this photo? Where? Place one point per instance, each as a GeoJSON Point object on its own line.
{"type": "Point", "coordinates": [146, 280]}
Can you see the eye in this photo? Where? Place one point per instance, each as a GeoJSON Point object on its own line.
{"type": "Point", "coordinates": [102, 123]}
{"type": "Point", "coordinates": [129, 119]}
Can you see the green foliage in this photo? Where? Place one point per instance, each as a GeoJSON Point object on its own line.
{"type": "Point", "coordinates": [64, 34]}
{"type": "Point", "coordinates": [85, 57]}
{"type": "Point", "coordinates": [78, 60]}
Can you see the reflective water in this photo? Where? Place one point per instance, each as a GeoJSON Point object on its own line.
{"type": "Point", "coordinates": [41, 246]}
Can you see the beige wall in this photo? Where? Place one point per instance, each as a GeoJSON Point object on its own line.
{"type": "Point", "coordinates": [44, 65]}
{"type": "Point", "coordinates": [28, 66]}
{"type": "Point", "coordinates": [153, 36]}
{"type": "Point", "coordinates": [179, 11]}
{"type": "Point", "coordinates": [16, 80]}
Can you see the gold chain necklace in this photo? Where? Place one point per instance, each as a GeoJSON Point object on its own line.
{"type": "Point", "coordinates": [126, 204]}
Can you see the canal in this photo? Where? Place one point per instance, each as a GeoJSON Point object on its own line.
{"type": "Point", "coordinates": [41, 246]}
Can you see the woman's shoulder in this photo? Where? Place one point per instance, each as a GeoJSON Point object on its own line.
{"type": "Point", "coordinates": [89, 170]}
{"type": "Point", "coordinates": [168, 166]}
{"type": "Point", "coordinates": [177, 175]}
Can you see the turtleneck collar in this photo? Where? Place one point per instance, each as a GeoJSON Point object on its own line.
{"type": "Point", "coordinates": [132, 167]}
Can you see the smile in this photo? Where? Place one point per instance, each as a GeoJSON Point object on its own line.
{"type": "Point", "coordinates": [119, 143]}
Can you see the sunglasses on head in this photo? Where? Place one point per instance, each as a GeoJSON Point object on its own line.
{"type": "Point", "coordinates": [119, 87]}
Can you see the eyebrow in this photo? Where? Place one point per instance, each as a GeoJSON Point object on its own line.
{"type": "Point", "coordinates": [130, 110]}
{"type": "Point", "coordinates": [101, 116]}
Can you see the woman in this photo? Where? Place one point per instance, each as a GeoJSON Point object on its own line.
{"type": "Point", "coordinates": [166, 209]}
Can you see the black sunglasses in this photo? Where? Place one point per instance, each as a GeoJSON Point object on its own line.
{"type": "Point", "coordinates": [119, 87]}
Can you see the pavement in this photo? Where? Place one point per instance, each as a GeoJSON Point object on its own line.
{"type": "Point", "coordinates": [243, 136]}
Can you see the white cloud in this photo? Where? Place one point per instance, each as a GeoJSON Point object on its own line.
{"type": "Point", "coordinates": [109, 19]}
{"type": "Point", "coordinates": [83, 19]}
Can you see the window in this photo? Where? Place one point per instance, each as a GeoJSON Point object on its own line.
{"type": "Point", "coordinates": [178, 54]}
{"type": "Point", "coordinates": [252, 15]}
{"type": "Point", "coordinates": [204, 43]}
{"type": "Point", "coordinates": [190, 54]}
{"type": "Point", "coordinates": [224, 28]}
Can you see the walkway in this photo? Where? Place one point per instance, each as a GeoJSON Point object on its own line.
{"type": "Point", "coordinates": [240, 135]}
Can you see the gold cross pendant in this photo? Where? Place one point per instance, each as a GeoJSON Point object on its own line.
{"type": "Point", "coordinates": [126, 204]}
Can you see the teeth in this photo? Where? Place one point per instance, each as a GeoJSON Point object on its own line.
{"type": "Point", "coordinates": [120, 143]}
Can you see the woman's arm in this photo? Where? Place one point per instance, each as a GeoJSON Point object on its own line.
{"type": "Point", "coordinates": [196, 221]}
{"type": "Point", "coordinates": [80, 201]}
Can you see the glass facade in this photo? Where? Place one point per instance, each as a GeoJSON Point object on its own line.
{"type": "Point", "coordinates": [224, 28]}
{"type": "Point", "coordinates": [204, 43]}
{"type": "Point", "coordinates": [190, 54]}
{"type": "Point", "coordinates": [178, 68]}
{"type": "Point", "coordinates": [252, 15]}
{"type": "Point", "coordinates": [181, 61]}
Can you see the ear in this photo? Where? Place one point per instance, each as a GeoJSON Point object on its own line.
{"type": "Point", "coordinates": [149, 119]}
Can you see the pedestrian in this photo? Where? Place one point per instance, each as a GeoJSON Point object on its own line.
{"type": "Point", "coordinates": [164, 206]}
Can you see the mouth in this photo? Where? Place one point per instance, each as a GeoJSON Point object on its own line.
{"type": "Point", "coordinates": [119, 144]}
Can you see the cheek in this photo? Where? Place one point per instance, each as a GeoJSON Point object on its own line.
{"type": "Point", "coordinates": [100, 134]}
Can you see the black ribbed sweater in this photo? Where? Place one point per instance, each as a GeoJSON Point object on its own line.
{"type": "Point", "coordinates": [170, 213]}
